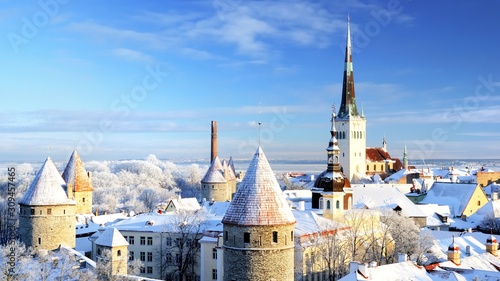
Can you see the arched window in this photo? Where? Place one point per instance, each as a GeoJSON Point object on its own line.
{"type": "Point", "coordinates": [367, 168]}
{"type": "Point", "coordinates": [337, 204]}
{"type": "Point", "coordinates": [119, 253]}
{"type": "Point", "coordinates": [360, 135]}
{"type": "Point", "coordinates": [328, 207]}
{"type": "Point", "coordinates": [374, 167]}
{"type": "Point", "coordinates": [321, 202]}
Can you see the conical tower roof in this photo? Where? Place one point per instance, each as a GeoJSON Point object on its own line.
{"type": "Point", "coordinates": [215, 173]}
{"type": "Point", "coordinates": [259, 200]}
{"type": "Point", "coordinates": [111, 237]}
{"type": "Point", "coordinates": [47, 188]}
{"type": "Point", "coordinates": [75, 174]}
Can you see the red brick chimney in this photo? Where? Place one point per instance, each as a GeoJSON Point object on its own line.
{"type": "Point", "coordinates": [213, 149]}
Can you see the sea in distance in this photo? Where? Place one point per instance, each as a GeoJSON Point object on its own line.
{"type": "Point", "coordinates": [280, 166]}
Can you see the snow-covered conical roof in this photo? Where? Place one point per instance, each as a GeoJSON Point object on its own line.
{"type": "Point", "coordinates": [111, 237]}
{"type": "Point", "coordinates": [215, 173]}
{"type": "Point", "coordinates": [259, 200]}
{"type": "Point", "coordinates": [47, 188]}
{"type": "Point", "coordinates": [75, 174]}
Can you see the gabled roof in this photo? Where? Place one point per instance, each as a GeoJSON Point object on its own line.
{"type": "Point", "coordinates": [47, 188]}
{"type": "Point", "coordinates": [370, 196]}
{"type": "Point", "coordinates": [215, 173]}
{"type": "Point", "coordinates": [259, 199]}
{"type": "Point", "coordinates": [111, 237]}
{"type": "Point", "coordinates": [183, 204]}
{"type": "Point", "coordinates": [457, 196]}
{"type": "Point", "coordinates": [75, 174]}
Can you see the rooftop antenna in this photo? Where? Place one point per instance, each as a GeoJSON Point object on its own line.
{"type": "Point", "coordinates": [260, 123]}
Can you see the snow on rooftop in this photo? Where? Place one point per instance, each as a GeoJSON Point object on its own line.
{"type": "Point", "coordinates": [111, 237]}
{"type": "Point", "coordinates": [432, 211]}
{"type": "Point", "coordinates": [380, 197]}
{"type": "Point", "coordinates": [454, 195]}
{"type": "Point", "coordinates": [75, 174]}
{"type": "Point", "coordinates": [391, 272]}
{"type": "Point", "coordinates": [308, 222]}
{"type": "Point", "coordinates": [259, 199]}
{"type": "Point", "coordinates": [47, 188]}
{"type": "Point", "coordinates": [215, 173]}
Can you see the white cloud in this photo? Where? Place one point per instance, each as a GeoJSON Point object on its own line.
{"type": "Point", "coordinates": [132, 55]}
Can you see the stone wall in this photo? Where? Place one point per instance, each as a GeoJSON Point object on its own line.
{"type": "Point", "coordinates": [486, 178]}
{"type": "Point", "coordinates": [83, 201]}
{"type": "Point", "coordinates": [47, 227]}
{"type": "Point", "coordinates": [219, 192]}
{"type": "Point", "coordinates": [262, 258]}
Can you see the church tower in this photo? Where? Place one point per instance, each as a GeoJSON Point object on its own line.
{"type": "Point", "coordinates": [47, 211]}
{"type": "Point", "coordinates": [258, 228]}
{"type": "Point", "coordinates": [405, 159]}
{"type": "Point", "coordinates": [79, 180]}
{"type": "Point", "coordinates": [112, 254]}
{"type": "Point", "coordinates": [350, 124]}
{"type": "Point", "coordinates": [332, 190]}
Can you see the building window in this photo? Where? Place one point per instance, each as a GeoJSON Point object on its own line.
{"type": "Point", "coordinates": [131, 255]}
{"type": "Point", "coordinates": [143, 240]}
{"type": "Point", "coordinates": [328, 207]}
{"type": "Point", "coordinates": [374, 167]}
{"type": "Point", "coordinates": [150, 240]}
{"type": "Point", "coordinates": [367, 168]}
{"type": "Point", "coordinates": [226, 236]}
{"type": "Point", "coordinates": [83, 199]}
{"type": "Point", "coordinates": [40, 212]}
{"type": "Point", "coordinates": [246, 237]}
{"type": "Point", "coordinates": [214, 274]}
{"type": "Point", "coordinates": [337, 204]}
{"type": "Point", "coordinates": [291, 235]}
{"type": "Point", "coordinates": [119, 253]}
{"type": "Point", "coordinates": [381, 167]}
{"type": "Point", "coordinates": [168, 258]}
{"type": "Point", "coordinates": [168, 241]}
{"type": "Point", "coordinates": [143, 269]}
{"type": "Point", "coordinates": [150, 256]}
{"type": "Point", "coordinates": [32, 211]}
{"type": "Point", "coordinates": [143, 256]}
{"type": "Point", "coordinates": [39, 241]}
{"type": "Point", "coordinates": [98, 250]}
{"type": "Point", "coordinates": [321, 202]}
{"type": "Point", "coordinates": [479, 203]}
{"type": "Point", "coordinates": [131, 240]}
{"type": "Point", "coordinates": [275, 236]}
{"type": "Point", "coordinates": [150, 270]}
{"type": "Point", "coordinates": [214, 253]}
{"type": "Point", "coordinates": [49, 211]}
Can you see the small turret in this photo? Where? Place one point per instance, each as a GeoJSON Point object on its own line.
{"type": "Point", "coordinates": [492, 245]}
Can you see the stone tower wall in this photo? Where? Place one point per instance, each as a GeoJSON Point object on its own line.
{"type": "Point", "coordinates": [261, 258]}
{"type": "Point", "coordinates": [219, 192]}
{"type": "Point", "coordinates": [83, 201]}
{"type": "Point", "coordinates": [47, 227]}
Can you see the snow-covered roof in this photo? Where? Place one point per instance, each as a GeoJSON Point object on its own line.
{"type": "Point", "coordinates": [491, 208]}
{"type": "Point", "coordinates": [185, 204]}
{"type": "Point", "coordinates": [111, 237]}
{"type": "Point", "coordinates": [259, 199]}
{"type": "Point", "coordinates": [390, 272]}
{"type": "Point", "coordinates": [47, 188]}
{"type": "Point", "coordinates": [400, 174]}
{"type": "Point", "coordinates": [454, 195]}
{"type": "Point", "coordinates": [432, 211]}
{"type": "Point", "coordinates": [75, 174]}
{"type": "Point", "coordinates": [215, 173]}
{"type": "Point", "coordinates": [380, 197]}
{"type": "Point", "coordinates": [308, 222]}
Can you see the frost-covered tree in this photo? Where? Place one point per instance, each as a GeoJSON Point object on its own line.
{"type": "Point", "coordinates": [180, 250]}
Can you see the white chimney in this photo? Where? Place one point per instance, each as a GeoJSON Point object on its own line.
{"type": "Point", "coordinates": [302, 206]}
{"type": "Point", "coordinates": [353, 266]}
{"type": "Point", "coordinates": [401, 258]}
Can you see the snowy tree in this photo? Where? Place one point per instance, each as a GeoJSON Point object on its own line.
{"type": "Point", "coordinates": [331, 245]}
{"type": "Point", "coordinates": [180, 251]}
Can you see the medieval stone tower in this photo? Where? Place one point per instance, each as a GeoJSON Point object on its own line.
{"type": "Point", "coordinates": [332, 190]}
{"type": "Point", "coordinates": [112, 252]}
{"type": "Point", "coordinates": [47, 211]}
{"type": "Point", "coordinates": [351, 125]}
{"type": "Point", "coordinates": [258, 228]}
{"type": "Point", "coordinates": [79, 181]}
{"type": "Point", "coordinates": [219, 183]}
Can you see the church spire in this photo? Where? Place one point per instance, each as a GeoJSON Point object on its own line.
{"type": "Point", "coordinates": [348, 106]}
{"type": "Point", "coordinates": [333, 150]}
{"type": "Point", "coordinates": [405, 158]}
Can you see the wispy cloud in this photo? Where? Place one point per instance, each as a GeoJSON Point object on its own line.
{"type": "Point", "coordinates": [133, 55]}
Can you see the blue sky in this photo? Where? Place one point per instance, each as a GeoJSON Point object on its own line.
{"type": "Point", "coordinates": [125, 79]}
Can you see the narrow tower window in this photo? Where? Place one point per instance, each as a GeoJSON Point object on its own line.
{"type": "Point", "coordinates": [275, 236]}
{"type": "Point", "coordinates": [246, 237]}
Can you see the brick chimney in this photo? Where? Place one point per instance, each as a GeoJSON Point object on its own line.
{"type": "Point", "coordinates": [492, 245]}
{"type": "Point", "coordinates": [213, 148]}
{"type": "Point", "coordinates": [454, 252]}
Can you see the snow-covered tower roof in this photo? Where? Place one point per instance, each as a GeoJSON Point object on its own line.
{"type": "Point", "coordinates": [259, 200]}
{"type": "Point", "coordinates": [111, 237]}
{"type": "Point", "coordinates": [75, 174]}
{"type": "Point", "coordinates": [215, 173]}
{"type": "Point", "coordinates": [47, 188]}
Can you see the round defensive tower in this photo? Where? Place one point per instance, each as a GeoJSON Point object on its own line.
{"type": "Point", "coordinates": [47, 211]}
{"type": "Point", "coordinates": [258, 228]}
